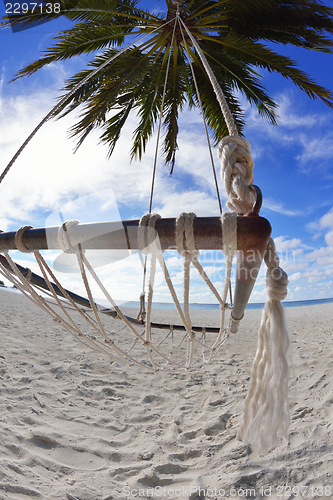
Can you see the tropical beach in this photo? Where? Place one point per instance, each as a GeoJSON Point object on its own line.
{"type": "Point", "coordinates": [76, 425]}
{"type": "Point", "coordinates": [155, 404]}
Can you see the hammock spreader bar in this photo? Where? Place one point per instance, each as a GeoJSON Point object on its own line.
{"type": "Point", "coordinates": [253, 233]}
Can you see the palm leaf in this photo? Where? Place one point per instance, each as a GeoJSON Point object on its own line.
{"type": "Point", "coordinates": [231, 33]}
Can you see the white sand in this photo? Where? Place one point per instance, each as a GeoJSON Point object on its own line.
{"type": "Point", "coordinates": [74, 426]}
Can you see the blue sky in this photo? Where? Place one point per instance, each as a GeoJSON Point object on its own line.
{"type": "Point", "coordinates": [293, 168]}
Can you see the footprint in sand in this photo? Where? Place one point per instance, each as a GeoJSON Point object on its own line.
{"type": "Point", "coordinates": [52, 450]}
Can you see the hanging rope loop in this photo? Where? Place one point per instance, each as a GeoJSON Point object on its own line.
{"type": "Point", "coordinates": [148, 239]}
{"type": "Point", "coordinates": [185, 236]}
{"type": "Point", "coordinates": [229, 233]}
{"type": "Point", "coordinates": [19, 239]}
{"type": "Point", "coordinates": [64, 239]}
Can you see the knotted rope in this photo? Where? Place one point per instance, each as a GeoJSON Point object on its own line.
{"type": "Point", "coordinates": [229, 249]}
{"type": "Point", "coordinates": [237, 173]}
{"type": "Point", "coordinates": [185, 243]}
{"type": "Point", "coordinates": [266, 412]}
{"type": "Point", "coordinates": [149, 244]}
{"type": "Point", "coordinates": [268, 391]}
{"type": "Point", "coordinates": [63, 237]}
{"type": "Point", "coordinates": [266, 406]}
{"type": "Point", "coordinates": [19, 239]}
{"type": "Point", "coordinates": [186, 248]}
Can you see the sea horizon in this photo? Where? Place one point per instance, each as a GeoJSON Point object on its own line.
{"type": "Point", "coordinates": [250, 305]}
{"type": "Point", "coordinates": [202, 306]}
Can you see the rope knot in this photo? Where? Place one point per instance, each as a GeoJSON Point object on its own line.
{"type": "Point", "coordinates": [147, 235]}
{"type": "Point", "coordinates": [64, 240]}
{"type": "Point", "coordinates": [185, 236]}
{"type": "Point", "coordinates": [276, 278]}
{"type": "Point", "coordinates": [224, 306]}
{"type": "Point", "coordinates": [237, 172]}
{"type": "Point", "coordinates": [229, 233]}
{"type": "Point", "coordinates": [19, 239]}
{"type": "Point", "coordinates": [277, 283]}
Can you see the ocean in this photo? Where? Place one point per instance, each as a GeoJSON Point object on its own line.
{"type": "Point", "coordinates": [214, 307]}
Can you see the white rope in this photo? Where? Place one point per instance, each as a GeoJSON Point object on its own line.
{"type": "Point", "coordinates": [160, 117]}
{"type": "Point", "coordinates": [266, 412]}
{"type": "Point", "coordinates": [19, 239]}
{"type": "Point", "coordinates": [184, 233]}
{"type": "Point", "coordinates": [237, 173]}
{"type": "Point", "coordinates": [63, 237]}
{"type": "Point", "coordinates": [149, 243]}
{"type": "Point", "coordinates": [186, 248]}
{"type": "Point", "coordinates": [266, 408]}
{"type": "Point", "coordinates": [229, 234]}
{"type": "Point", "coordinates": [229, 248]}
{"type": "Point", "coordinates": [28, 291]}
{"type": "Point", "coordinates": [229, 119]}
{"type": "Point", "coordinates": [203, 118]}
{"type": "Point", "coordinates": [185, 243]}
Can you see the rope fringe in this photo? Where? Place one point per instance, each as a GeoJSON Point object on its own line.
{"type": "Point", "coordinates": [266, 413]}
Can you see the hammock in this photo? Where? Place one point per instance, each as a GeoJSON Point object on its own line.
{"type": "Point", "coordinates": [141, 341]}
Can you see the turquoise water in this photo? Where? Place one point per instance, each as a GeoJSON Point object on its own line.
{"type": "Point", "coordinates": [214, 307]}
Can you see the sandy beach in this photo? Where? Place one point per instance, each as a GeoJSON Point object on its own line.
{"type": "Point", "coordinates": [75, 426]}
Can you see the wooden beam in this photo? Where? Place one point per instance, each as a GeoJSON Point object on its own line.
{"type": "Point", "coordinates": [252, 234]}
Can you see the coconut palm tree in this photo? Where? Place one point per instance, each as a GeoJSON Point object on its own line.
{"type": "Point", "coordinates": [236, 37]}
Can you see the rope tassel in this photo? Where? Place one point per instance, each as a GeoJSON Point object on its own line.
{"type": "Point", "coordinates": [266, 413]}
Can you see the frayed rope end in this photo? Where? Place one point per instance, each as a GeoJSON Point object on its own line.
{"type": "Point", "coordinates": [266, 411]}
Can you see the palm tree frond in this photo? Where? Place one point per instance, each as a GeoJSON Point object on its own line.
{"type": "Point", "coordinates": [238, 38]}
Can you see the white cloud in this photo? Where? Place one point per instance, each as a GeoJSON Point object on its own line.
{"type": "Point", "coordinates": [282, 244]}
{"type": "Point", "coordinates": [279, 208]}
{"type": "Point", "coordinates": [293, 120]}
{"type": "Point", "coordinates": [307, 135]}
{"type": "Point", "coordinates": [316, 148]}
{"type": "Point", "coordinates": [307, 268]}
{"type": "Point", "coordinates": [295, 277]}
{"type": "Point", "coordinates": [47, 174]}
{"type": "Point", "coordinates": [48, 177]}
{"type": "Point", "coordinates": [326, 221]}
{"type": "Point", "coordinates": [171, 204]}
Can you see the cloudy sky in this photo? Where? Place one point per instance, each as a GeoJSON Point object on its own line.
{"type": "Point", "coordinates": [293, 168]}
